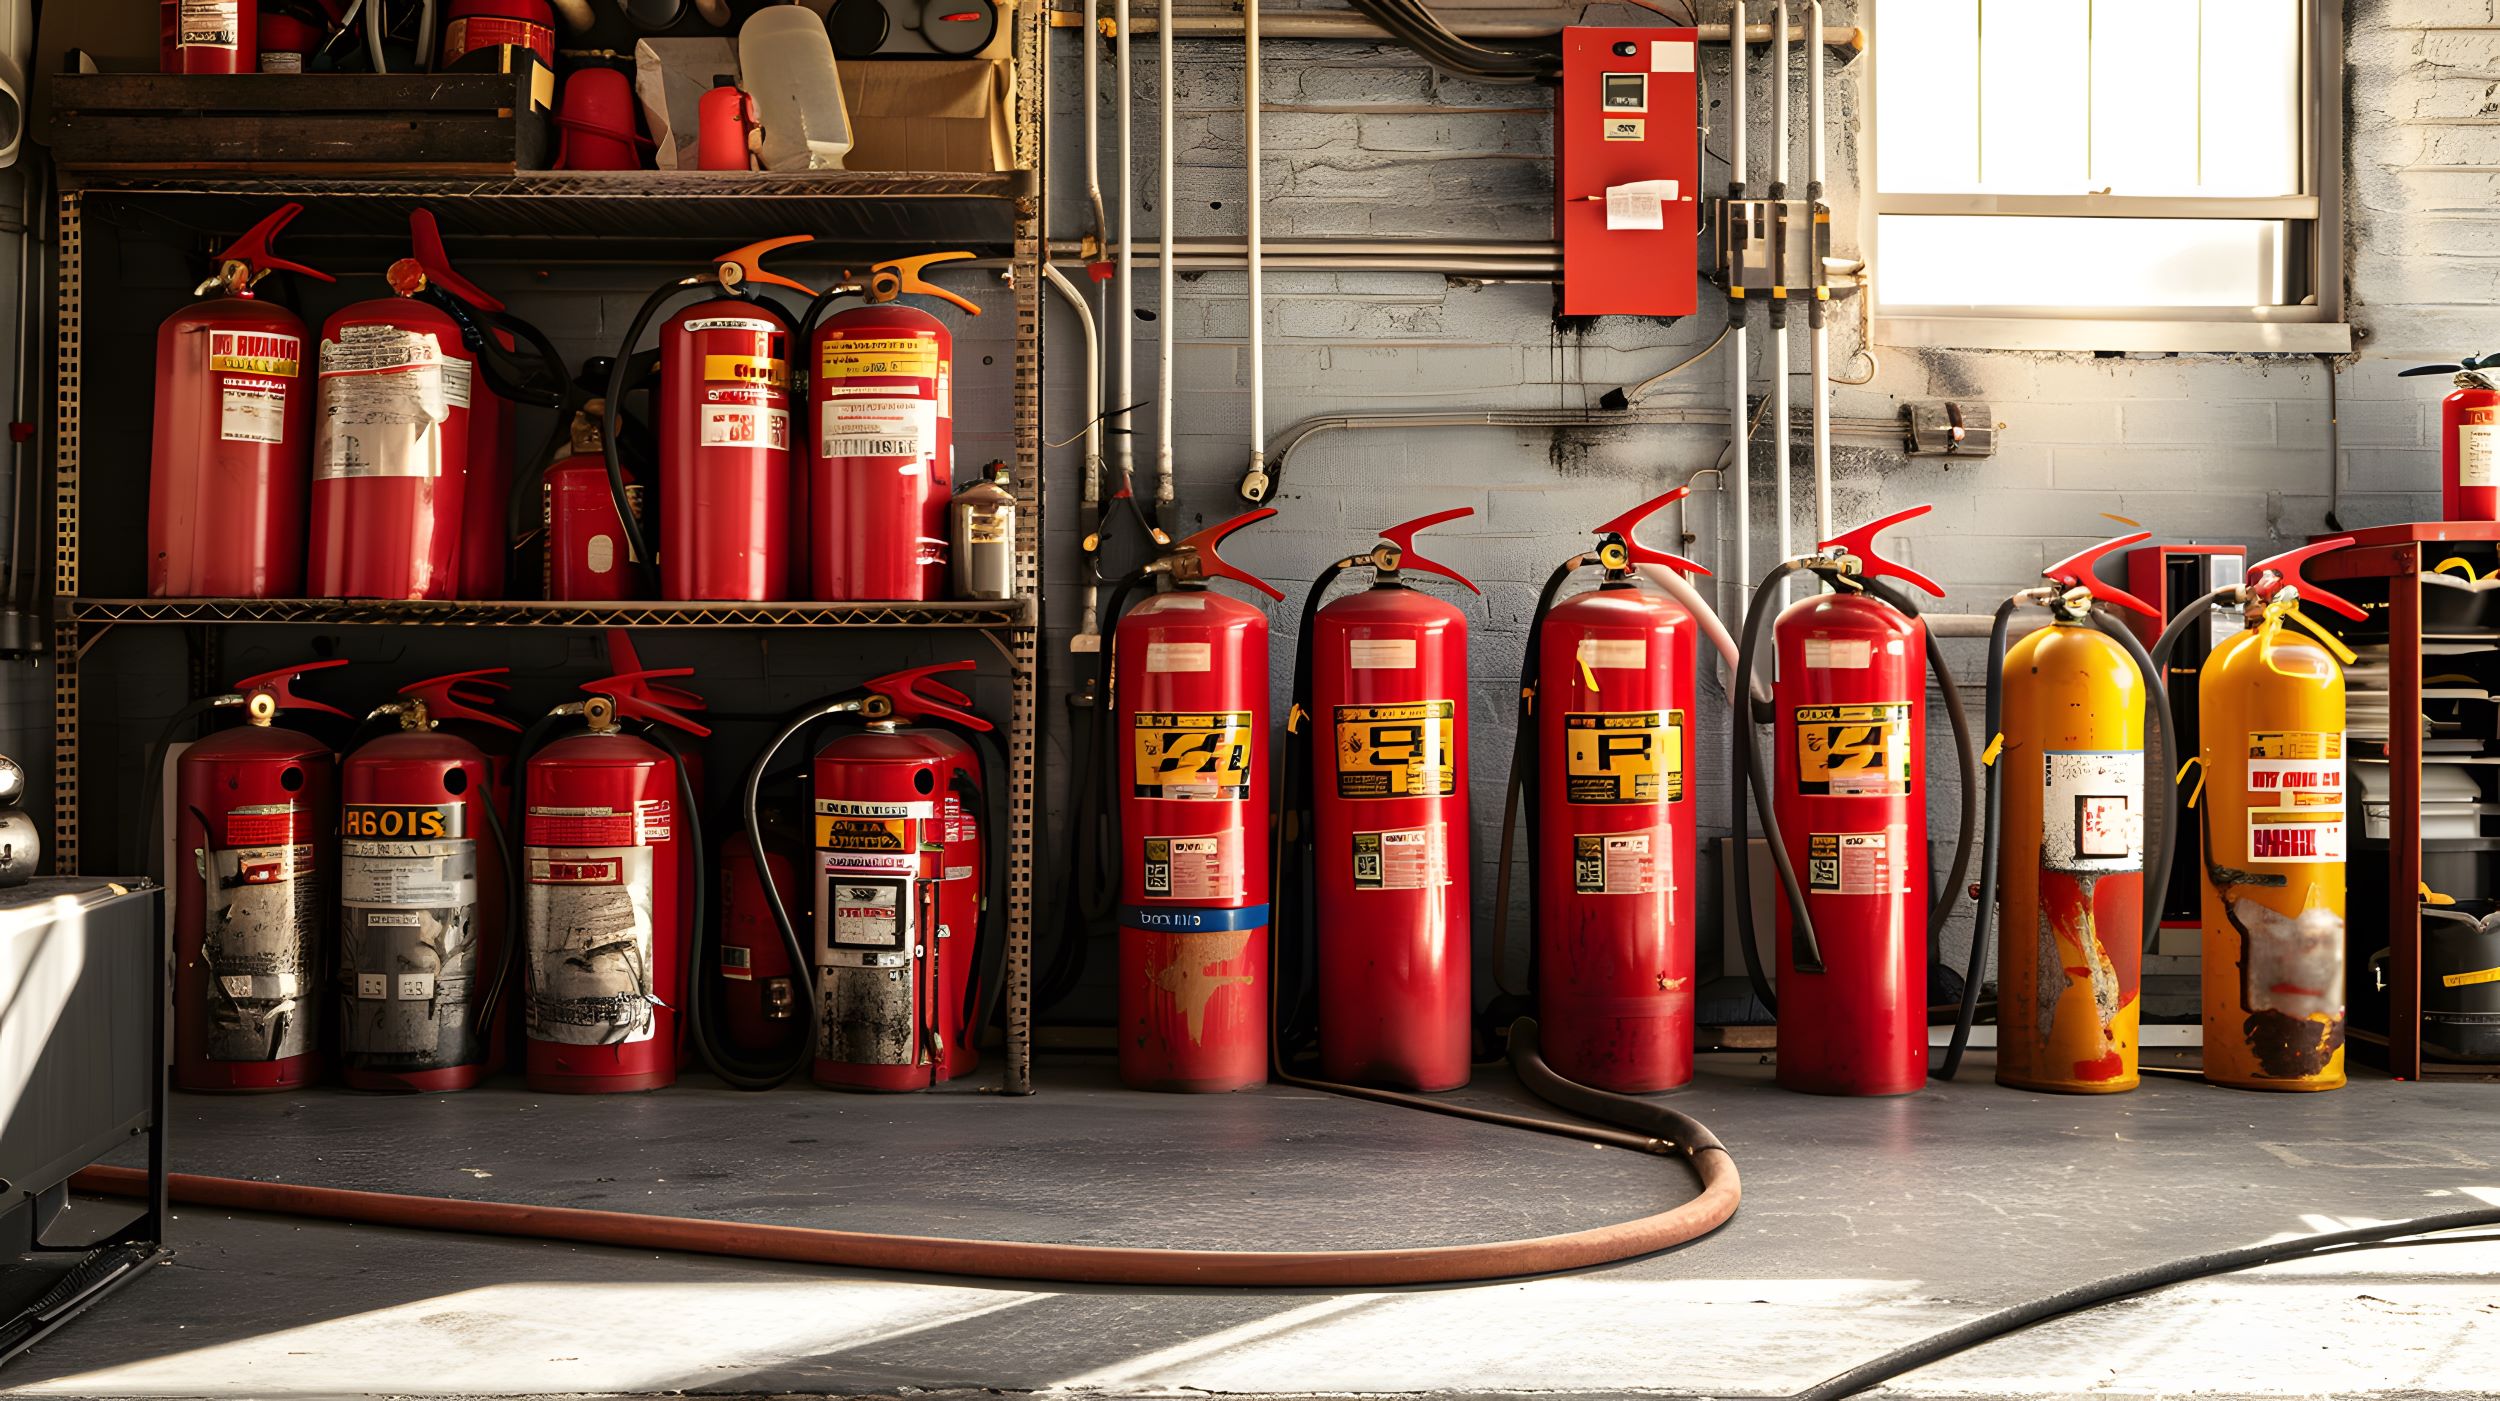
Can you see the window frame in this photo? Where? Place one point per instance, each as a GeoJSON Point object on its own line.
{"type": "Point", "coordinates": [2314, 220]}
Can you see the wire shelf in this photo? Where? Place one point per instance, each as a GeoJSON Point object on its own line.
{"type": "Point", "coordinates": [332, 612]}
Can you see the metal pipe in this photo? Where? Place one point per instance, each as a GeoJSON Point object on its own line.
{"type": "Point", "coordinates": [1091, 49]}
{"type": "Point", "coordinates": [1739, 368]}
{"type": "Point", "coordinates": [1780, 137]}
{"type": "Point", "coordinates": [1280, 455]}
{"type": "Point", "coordinates": [1093, 428]}
{"type": "Point", "coordinates": [1166, 148]}
{"type": "Point", "coordinates": [1250, 239]}
{"type": "Point", "coordinates": [1307, 24]}
{"type": "Point", "coordinates": [1122, 333]}
{"type": "Point", "coordinates": [1819, 363]}
{"type": "Point", "coordinates": [1275, 247]}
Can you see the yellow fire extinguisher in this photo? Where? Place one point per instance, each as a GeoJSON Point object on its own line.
{"type": "Point", "coordinates": [2272, 799]}
{"type": "Point", "coordinates": [2067, 786]}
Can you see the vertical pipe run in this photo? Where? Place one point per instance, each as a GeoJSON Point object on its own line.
{"type": "Point", "coordinates": [1251, 251]}
{"type": "Point", "coordinates": [1818, 309]}
{"type": "Point", "coordinates": [1093, 434]}
{"type": "Point", "coordinates": [1780, 137]}
{"type": "Point", "coordinates": [1166, 143]}
{"type": "Point", "coordinates": [1123, 328]}
{"type": "Point", "coordinates": [1089, 47]}
{"type": "Point", "coordinates": [1739, 365]}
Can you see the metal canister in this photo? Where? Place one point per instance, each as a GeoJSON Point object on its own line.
{"type": "Point", "coordinates": [981, 536]}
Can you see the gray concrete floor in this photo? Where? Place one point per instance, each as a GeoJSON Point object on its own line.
{"type": "Point", "coordinates": [1866, 1224]}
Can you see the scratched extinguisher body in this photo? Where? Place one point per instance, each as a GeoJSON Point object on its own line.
{"type": "Point", "coordinates": [759, 991]}
{"type": "Point", "coordinates": [1849, 774]}
{"type": "Point", "coordinates": [1615, 839]}
{"type": "Point", "coordinates": [2273, 805]}
{"type": "Point", "coordinates": [1192, 738]}
{"type": "Point", "coordinates": [897, 885]}
{"type": "Point", "coordinates": [605, 875]}
{"type": "Point", "coordinates": [882, 454]}
{"type": "Point", "coordinates": [724, 432]}
{"type": "Point", "coordinates": [390, 452]}
{"type": "Point", "coordinates": [421, 913]}
{"type": "Point", "coordinates": [1389, 673]}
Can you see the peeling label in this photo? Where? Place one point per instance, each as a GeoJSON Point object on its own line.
{"type": "Point", "coordinates": [2092, 810]}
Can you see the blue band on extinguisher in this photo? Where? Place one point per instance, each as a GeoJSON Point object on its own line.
{"type": "Point", "coordinates": [1185, 920]}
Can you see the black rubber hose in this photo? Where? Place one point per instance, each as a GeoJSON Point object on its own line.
{"type": "Point", "coordinates": [1806, 954]}
{"type": "Point", "coordinates": [613, 406]}
{"type": "Point", "coordinates": [1522, 774]}
{"type": "Point", "coordinates": [513, 914]}
{"type": "Point", "coordinates": [1290, 827]}
{"type": "Point", "coordinates": [2191, 616]}
{"type": "Point", "coordinates": [1098, 870]}
{"type": "Point", "coordinates": [1992, 822]}
{"type": "Point", "coordinates": [717, 1056]}
{"type": "Point", "coordinates": [1988, 1327]}
{"type": "Point", "coordinates": [2161, 766]}
{"type": "Point", "coordinates": [989, 946]}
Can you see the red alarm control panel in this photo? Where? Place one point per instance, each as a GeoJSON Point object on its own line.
{"type": "Point", "coordinates": [1627, 167]}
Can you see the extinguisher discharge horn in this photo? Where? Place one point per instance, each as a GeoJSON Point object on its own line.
{"type": "Point", "coordinates": [2074, 575]}
{"type": "Point", "coordinates": [252, 257]}
{"type": "Point", "coordinates": [1619, 549]}
{"type": "Point", "coordinates": [2278, 577]}
{"type": "Point", "coordinates": [1854, 553]}
{"type": "Point", "coordinates": [272, 691]}
{"type": "Point", "coordinates": [1195, 559]}
{"type": "Point", "coordinates": [1399, 554]}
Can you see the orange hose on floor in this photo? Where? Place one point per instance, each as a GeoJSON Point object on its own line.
{"type": "Point", "coordinates": [1033, 1260]}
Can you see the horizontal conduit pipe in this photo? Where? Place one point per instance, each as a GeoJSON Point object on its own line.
{"type": "Point", "coordinates": [1305, 24]}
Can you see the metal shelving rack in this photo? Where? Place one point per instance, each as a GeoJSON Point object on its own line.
{"type": "Point", "coordinates": [664, 212]}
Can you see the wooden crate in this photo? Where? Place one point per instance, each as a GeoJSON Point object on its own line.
{"type": "Point", "coordinates": [332, 123]}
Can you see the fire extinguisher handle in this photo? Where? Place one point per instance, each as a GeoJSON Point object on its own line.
{"type": "Point", "coordinates": [444, 699]}
{"type": "Point", "coordinates": [1622, 526]}
{"type": "Point", "coordinates": [638, 699]}
{"type": "Point", "coordinates": [2286, 569]}
{"type": "Point", "coordinates": [750, 262]}
{"type": "Point", "coordinates": [279, 686]}
{"type": "Point", "coordinates": [1402, 535]}
{"type": "Point", "coordinates": [1214, 566]}
{"type": "Point", "coordinates": [917, 694]}
{"type": "Point", "coordinates": [1860, 543]}
{"type": "Point", "coordinates": [436, 260]}
{"type": "Point", "coordinates": [2075, 572]}
{"type": "Point", "coordinates": [896, 276]}
{"type": "Point", "coordinates": [256, 250]}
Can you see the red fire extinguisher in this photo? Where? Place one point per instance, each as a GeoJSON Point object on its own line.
{"type": "Point", "coordinates": [1185, 729]}
{"type": "Point", "coordinates": [253, 813]}
{"type": "Point", "coordinates": [761, 998]}
{"type": "Point", "coordinates": [881, 458]}
{"type": "Point", "coordinates": [485, 540]}
{"type": "Point", "coordinates": [587, 559]}
{"type": "Point", "coordinates": [424, 894]}
{"type": "Point", "coordinates": [208, 36]}
{"type": "Point", "coordinates": [1606, 744]}
{"type": "Point", "coordinates": [610, 832]}
{"type": "Point", "coordinates": [904, 959]}
{"type": "Point", "coordinates": [391, 456]}
{"type": "Point", "coordinates": [1380, 699]}
{"type": "Point", "coordinates": [1850, 776]}
{"type": "Point", "coordinates": [724, 431]}
{"type": "Point", "coordinates": [233, 438]}
{"type": "Point", "coordinates": [2469, 440]}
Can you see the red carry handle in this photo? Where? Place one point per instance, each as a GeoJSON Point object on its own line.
{"type": "Point", "coordinates": [444, 701]}
{"type": "Point", "coordinates": [896, 276]}
{"type": "Point", "coordinates": [2286, 568]}
{"type": "Point", "coordinates": [624, 660]}
{"type": "Point", "coordinates": [279, 686]}
{"type": "Point", "coordinates": [1214, 566]}
{"type": "Point", "coordinates": [1402, 535]}
{"type": "Point", "coordinates": [917, 695]}
{"type": "Point", "coordinates": [2075, 572]}
{"type": "Point", "coordinates": [436, 261]}
{"type": "Point", "coordinates": [750, 262]}
{"type": "Point", "coordinates": [636, 698]}
{"type": "Point", "coordinates": [1861, 543]}
{"type": "Point", "coordinates": [254, 248]}
{"type": "Point", "coordinates": [1622, 526]}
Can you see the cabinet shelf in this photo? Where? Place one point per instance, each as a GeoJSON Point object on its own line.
{"type": "Point", "coordinates": [333, 612]}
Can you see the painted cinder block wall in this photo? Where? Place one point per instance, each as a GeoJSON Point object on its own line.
{"type": "Point", "coordinates": [1363, 139]}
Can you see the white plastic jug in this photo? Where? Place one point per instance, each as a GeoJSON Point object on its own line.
{"type": "Point", "coordinates": [786, 62]}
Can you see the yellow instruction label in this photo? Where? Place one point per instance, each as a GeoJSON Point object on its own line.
{"type": "Point", "coordinates": [1397, 751]}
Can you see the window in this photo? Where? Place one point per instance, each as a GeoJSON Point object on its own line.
{"type": "Point", "coordinates": [2108, 174]}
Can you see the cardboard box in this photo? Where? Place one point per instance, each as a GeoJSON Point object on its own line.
{"type": "Point", "coordinates": [928, 114]}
